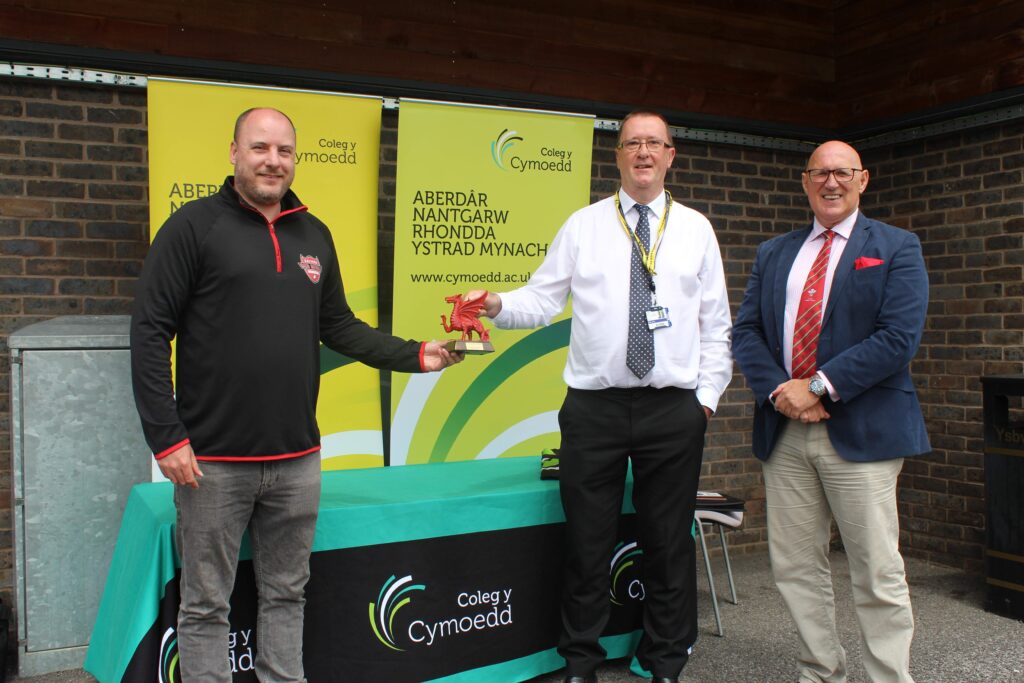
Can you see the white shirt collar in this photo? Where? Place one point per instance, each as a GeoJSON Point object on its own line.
{"type": "Point", "coordinates": [657, 205]}
{"type": "Point", "coordinates": [844, 228]}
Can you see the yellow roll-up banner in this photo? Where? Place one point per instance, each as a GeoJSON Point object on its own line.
{"type": "Point", "coordinates": [481, 193]}
{"type": "Point", "coordinates": [191, 125]}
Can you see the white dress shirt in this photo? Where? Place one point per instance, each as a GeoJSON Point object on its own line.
{"type": "Point", "coordinates": [798, 278]}
{"type": "Point", "coordinates": [590, 259]}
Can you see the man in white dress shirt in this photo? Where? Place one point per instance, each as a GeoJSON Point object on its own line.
{"type": "Point", "coordinates": [649, 359]}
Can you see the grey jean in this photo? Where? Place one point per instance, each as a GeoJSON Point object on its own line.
{"type": "Point", "coordinates": [277, 501]}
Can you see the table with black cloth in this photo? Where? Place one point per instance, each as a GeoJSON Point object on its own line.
{"type": "Point", "coordinates": [444, 572]}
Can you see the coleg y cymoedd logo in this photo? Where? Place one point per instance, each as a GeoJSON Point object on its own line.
{"type": "Point", "coordinates": [394, 595]}
{"type": "Point", "coordinates": [501, 145]}
{"type": "Point", "coordinates": [625, 585]}
{"type": "Point", "coordinates": [167, 667]}
{"type": "Point", "coordinates": [535, 158]}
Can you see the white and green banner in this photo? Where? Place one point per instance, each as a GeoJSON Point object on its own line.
{"type": "Point", "coordinates": [191, 125]}
{"type": "Point", "coordinates": [481, 192]}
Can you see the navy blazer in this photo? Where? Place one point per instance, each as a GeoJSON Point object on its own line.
{"type": "Point", "coordinates": [870, 332]}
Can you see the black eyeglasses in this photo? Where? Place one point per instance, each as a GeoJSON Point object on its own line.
{"type": "Point", "coordinates": [842, 175]}
{"type": "Point", "coordinates": [633, 146]}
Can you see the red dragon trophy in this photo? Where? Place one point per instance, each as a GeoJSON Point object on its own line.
{"type": "Point", "coordinates": [464, 319]}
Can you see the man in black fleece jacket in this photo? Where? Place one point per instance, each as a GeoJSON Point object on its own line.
{"type": "Point", "coordinates": [248, 280]}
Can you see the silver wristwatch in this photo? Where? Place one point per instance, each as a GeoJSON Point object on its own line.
{"type": "Point", "coordinates": [817, 386]}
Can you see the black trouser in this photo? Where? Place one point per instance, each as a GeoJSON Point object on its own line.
{"type": "Point", "coordinates": [662, 431]}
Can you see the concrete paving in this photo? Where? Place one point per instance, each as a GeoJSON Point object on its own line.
{"type": "Point", "coordinates": [956, 641]}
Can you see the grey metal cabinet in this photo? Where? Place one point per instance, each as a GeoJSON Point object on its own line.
{"type": "Point", "coordinates": [77, 450]}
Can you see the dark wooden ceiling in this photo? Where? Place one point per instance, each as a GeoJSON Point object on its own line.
{"type": "Point", "coordinates": [897, 58]}
{"type": "Point", "coordinates": [824, 64]}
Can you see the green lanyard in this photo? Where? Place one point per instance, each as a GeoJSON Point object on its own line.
{"type": "Point", "coordinates": [646, 257]}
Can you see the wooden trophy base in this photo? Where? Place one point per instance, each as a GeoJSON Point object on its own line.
{"type": "Point", "coordinates": [469, 347]}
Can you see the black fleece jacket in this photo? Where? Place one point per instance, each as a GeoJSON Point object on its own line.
{"type": "Point", "coordinates": [250, 301]}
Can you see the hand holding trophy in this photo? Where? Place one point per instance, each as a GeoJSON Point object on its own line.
{"type": "Point", "coordinates": [464, 318]}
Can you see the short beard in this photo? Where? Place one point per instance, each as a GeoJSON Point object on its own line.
{"type": "Point", "coordinates": [266, 197]}
{"type": "Point", "coordinates": [259, 196]}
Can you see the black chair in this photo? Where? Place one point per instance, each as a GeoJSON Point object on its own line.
{"type": "Point", "coordinates": [718, 512]}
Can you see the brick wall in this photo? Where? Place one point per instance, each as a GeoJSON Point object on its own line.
{"type": "Point", "coordinates": [963, 195]}
{"type": "Point", "coordinates": [74, 230]}
{"type": "Point", "coordinates": [73, 223]}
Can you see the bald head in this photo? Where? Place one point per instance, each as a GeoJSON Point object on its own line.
{"type": "Point", "coordinates": [240, 121]}
{"type": "Point", "coordinates": [831, 199]}
{"type": "Point", "coordinates": [833, 148]}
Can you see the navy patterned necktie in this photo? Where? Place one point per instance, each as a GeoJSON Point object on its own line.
{"type": "Point", "coordinates": [640, 346]}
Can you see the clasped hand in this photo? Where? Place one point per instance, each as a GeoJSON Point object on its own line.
{"type": "Point", "coordinates": [795, 400]}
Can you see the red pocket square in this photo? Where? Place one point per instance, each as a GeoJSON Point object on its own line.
{"type": "Point", "coordinates": [867, 262]}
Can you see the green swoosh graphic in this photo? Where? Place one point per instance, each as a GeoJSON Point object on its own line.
{"type": "Point", "coordinates": [360, 300]}
{"type": "Point", "coordinates": [174, 667]}
{"type": "Point", "coordinates": [615, 580]}
{"type": "Point", "coordinates": [394, 611]}
{"type": "Point", "coordinates": [622, 568]}
{"type": "Point", "coordinates": [520, 354]}
{"type": "Point", "coordinates": [172, 662]}
{"type": "Point", "coordinates": [376, 632]}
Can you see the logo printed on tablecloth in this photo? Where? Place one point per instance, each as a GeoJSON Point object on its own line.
{"type": "Point", "coordinates": [488, 609]}
{"type": "Point", "coordinates": [394, 595]}
{"type": "Point", "coordinates": [624, 571]}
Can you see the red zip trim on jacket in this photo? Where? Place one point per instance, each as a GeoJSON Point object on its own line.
{"type": "Point", "coordinates": [277, 246]}
{"type": "Point", "coordinates": [236, 458]}
{"type": "Point", "coordinates": [167, 451]}
{"type": "Point", "coordinates": [273, 231]}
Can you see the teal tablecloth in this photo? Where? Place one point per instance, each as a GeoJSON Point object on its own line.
{"type": "Point", "coordinates": [358, 508]}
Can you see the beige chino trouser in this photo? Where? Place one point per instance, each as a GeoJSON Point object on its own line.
{"type": "Point", "coordinates": [806, 485]}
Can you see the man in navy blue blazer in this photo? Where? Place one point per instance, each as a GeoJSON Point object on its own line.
{"type": "Point", "coordinates": [831, 318]}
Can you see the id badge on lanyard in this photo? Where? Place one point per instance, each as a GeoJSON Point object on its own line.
{"type": "Point", "coordinates": [657, 316]}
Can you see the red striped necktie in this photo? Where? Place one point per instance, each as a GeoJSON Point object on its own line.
{"type": "Point", "coordinates": [808, 317]}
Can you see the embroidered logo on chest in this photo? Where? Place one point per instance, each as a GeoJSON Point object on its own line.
{"type": "Point", "coordinates": [310, 264]}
